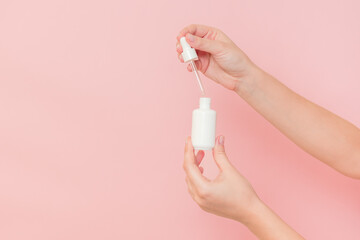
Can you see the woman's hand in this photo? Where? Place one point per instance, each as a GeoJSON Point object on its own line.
{"type": "Point", "coordinates": [219, 58]}
{"type": "Point", "coordinates": [222, 61]}
{"type": "Point", "coordinates": [229, 195]}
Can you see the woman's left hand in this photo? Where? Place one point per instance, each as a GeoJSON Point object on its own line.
{"type": "Point", "coordinates": [229, 195]}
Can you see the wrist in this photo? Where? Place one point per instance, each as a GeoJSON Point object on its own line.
{"type": "Point", "coordinates": [254, 212]}
{"type": "Point", "coordinates": [247, 85]}
{"type": "Point", "coordinates": [265, 224]}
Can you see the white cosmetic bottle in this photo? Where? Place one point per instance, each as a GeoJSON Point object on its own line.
{"type": "Point", "coordinates": [203, 126]}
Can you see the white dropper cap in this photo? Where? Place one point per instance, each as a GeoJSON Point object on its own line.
{"type": "Point", "coordinates": [188, 53]}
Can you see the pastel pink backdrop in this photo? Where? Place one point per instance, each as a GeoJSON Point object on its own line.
{"type": "Point", "coordinates": [95, 108]}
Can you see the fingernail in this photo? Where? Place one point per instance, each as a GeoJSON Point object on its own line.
{"type": "Point", "coordinates": [177, 46]}
{"type": "Point", "coordinates": [191, 37]}
{"type": "Point", "coordinates": [221, 140]}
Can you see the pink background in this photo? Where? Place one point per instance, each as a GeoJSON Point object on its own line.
{"type": "Point", "coordinates": [95, 108]}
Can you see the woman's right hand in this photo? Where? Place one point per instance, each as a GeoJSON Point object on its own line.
{"type": "Point", "coordinates": [219, 58]}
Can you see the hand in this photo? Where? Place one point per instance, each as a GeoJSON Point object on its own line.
{"type": "Point", "coordinates": [219, 58]}
{"type": "Point", "coordinates": [229, 195]}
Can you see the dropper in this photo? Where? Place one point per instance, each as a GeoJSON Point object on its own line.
{"type": "Point", "coordinates": [189, 55]}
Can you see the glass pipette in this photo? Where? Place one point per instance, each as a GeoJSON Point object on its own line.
{"type": "Point", "coordinates": [194, 69]}
{"type": "Point", "coordinates": [190, 56]}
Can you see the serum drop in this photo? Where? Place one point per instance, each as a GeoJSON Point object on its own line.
{"type": "Point", "coordinates": [203, 126]}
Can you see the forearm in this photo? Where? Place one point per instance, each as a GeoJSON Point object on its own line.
{"type": "Point", "coordinates": [319, 132]}
{"type": "Point", "coordinates": [266, 225]}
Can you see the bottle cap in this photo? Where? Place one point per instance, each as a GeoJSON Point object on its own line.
{"type": "Point", "coordinates": [188, 53]}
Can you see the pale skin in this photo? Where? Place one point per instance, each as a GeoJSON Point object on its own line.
{"type": "Point", "coordinates": [324, 135]}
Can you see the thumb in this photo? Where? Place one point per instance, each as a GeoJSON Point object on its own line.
{"type": "Point", "coordinates": [203, 44]}
{"type": "Point", "coordinates": [219, 154]}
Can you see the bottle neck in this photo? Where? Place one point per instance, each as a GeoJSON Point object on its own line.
{"type": "Point", "coordinates": [204, 103]}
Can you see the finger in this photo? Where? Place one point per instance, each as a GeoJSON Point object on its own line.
{"type": "Point", "coordinates": [178, 47]}
{"type": "Point", "coordinates": [195, 29]}
{"type": "Point", "coordinates": [190, 167]}
{"type": "Point", "coordinates": [190, 188]}
{"type": "Point", "coordinates": [219, 154]}
{"type": "Point", "coordinates": [189, 68]}
{"type": "Point", "coordinates": [199, 157]}
{"type": "Point", "coordinates": [180, 57]}
{"type": "Point", "coordinates": [203, 44]}
{"type": "Point", "coordinates": [198, 65]}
